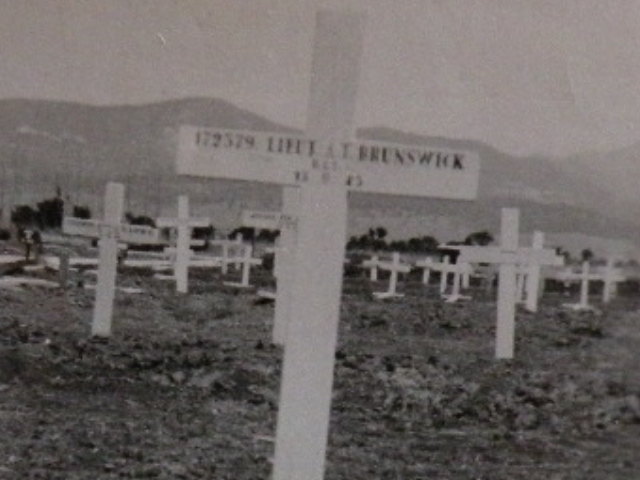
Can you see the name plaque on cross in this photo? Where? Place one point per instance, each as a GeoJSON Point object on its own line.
{"type": "Point", "coordinates": [286, 159]}
{"type": "Point", "coordinates": [268, 220]}
{"type": "Point", "coordinates": [133, 234]}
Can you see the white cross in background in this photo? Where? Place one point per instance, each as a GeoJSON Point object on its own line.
{"type": "Point", "coordinates": [528, 279]}
{"type": "Point", "coordinates": [184, 225]}
{"type": "Point", "coordinates": [611, 276]}
{"type": "Point", "coordinates": [394, 267]}
{"type": "Point", "coordinates": [246, 260]}
{"type": "Point", "coordinates": [229, 246]}
{"type": "Point", "coordinates": [459, 270]}
{"type": "Point", "coordinates": [372, 265]}
{"type": "Point", "coordinates": [508, 255]}
{"type": "Point", "coordinates": [584, 277]}
{"type": "Point", "coordinates": [426, 265]}
{"type": "Point", "coordinates": [109, 231]}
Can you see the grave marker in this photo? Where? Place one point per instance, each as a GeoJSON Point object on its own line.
{"type": "Point", "coordinates": [426, 265]}
{"type": "Point", "coordinates": [611, 277]}
{"type": "Point", "coordinates": [394, 267]}
{"type": "Point", "coordinates": [372, 265]}
{"type": "Point", "coordinates": [533, 280]}
{"type": "Point", "coordinates": [184, 225]}
{"type": "Point", "coordinates": [585, 276]}
{"type": "Point", "coordinates": [227, 246]}
{"type": "Point", "coordinates": [508, 256]}
{"type": "Point", "coordinates": [323, 163]}
{"type": "Point", "coordinates": [109, 231]}
{"type": "Point", "coordinates": [459, 271]}
{"type": "Point", "coordinates": [246, 261]}
{"type": "Point", "coordinates": [108, 260]}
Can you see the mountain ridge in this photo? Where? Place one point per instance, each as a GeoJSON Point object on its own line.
{"type": "Point", "coordinates": [79, 147]}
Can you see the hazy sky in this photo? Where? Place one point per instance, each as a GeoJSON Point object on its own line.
{"type": "Point", "coordinates": [528, 76]}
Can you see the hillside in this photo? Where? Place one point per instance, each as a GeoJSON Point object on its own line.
{"type": "Point", "coordinates": [78, 147]}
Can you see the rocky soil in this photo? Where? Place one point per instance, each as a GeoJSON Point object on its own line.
{"type": "Point", "coordinates": [187, 387]}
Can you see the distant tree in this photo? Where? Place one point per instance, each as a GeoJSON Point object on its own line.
{"type": "Point", "coordinates": [398, 246]}
{"type": "Point", "coordinates": [24, 215]}
{"type": "Point", "coordinates": [381, 233]}
{"type": "Point", "coordinates": [481, 238]}
{"type": "Point", "coordinates": [203, 232]}
{"type": "Point", "coordinates": [267, 235]}
{"type": "Point", "coordinates": [248, 233]}
{"type": "Point", "coordinates": [81, 211]}
{"type": "Point", "coordinates": [139, 220]}
{"type": "Point", "coordinates": [564, 253]}
{"type": "Point", "coordinates": [586, 255]}
{"type": "Point", "coordinates": [50, 213]}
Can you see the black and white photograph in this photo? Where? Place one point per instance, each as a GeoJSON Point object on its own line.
{"type": "Point", "coordinates": [320, 239]}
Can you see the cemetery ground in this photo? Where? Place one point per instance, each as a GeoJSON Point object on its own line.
{"type": "Point", "coordinates": [187, 386]}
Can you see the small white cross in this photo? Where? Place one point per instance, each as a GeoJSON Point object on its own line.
{"type": "Point", "coordinates": [246, 261]}
{"type": "Point", "coordinates": [394, 267]}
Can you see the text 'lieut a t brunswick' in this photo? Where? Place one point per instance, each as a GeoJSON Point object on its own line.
{"type": "Point", "coordinates": [370, 152]}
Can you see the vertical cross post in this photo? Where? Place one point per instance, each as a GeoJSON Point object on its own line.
{"type": "Point", "coordinates": [372, 265]}
{"type": "Point", "coordinates": [533, 285]}
{"type": "Point", "coordinates": [63, 271]}
{"type": "Point", "coordinates": [426, 270]}
{"type": "Point", "coordinates": [108, 259]}
{"type": "Point", "coordinates": [584, 285]}
{"type": "Point", "coordinates": [285, 256]}
{"type": "Point", "coordinates": [611, 277]}
{"type": "Point", "coordinates": [393, 279]}
{"type": "Point", "coordinates": [183, 250]}
{"type": "Point", "coordinates": [307, 379]}
{"type": "Point", "coordinates": [505, 328]}
{"type": "Point", "coordinates": [444, 274]}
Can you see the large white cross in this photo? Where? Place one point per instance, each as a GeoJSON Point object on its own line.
{"type": "Point", "coordinates": [323, 162]}
{"type": "Point", "coordinates": [184, 225]}
{"type": "Point", "coordinates": [508, 256]}
{"type": "Point", "coordinates": [395, 267]}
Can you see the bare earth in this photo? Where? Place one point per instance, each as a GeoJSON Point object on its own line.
{"type": "Point", "coordinates": [187, 387]}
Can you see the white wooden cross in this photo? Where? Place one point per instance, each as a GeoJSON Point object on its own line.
{"type": "Point", "coordinates": [395, 267]}
{"type": "Point", "coordinates": [508, 256]}
{"type": "Point", "coordinates": [372, 265]}
{"type": "Point", "coordinates": [246, 260]}
{"type": "Point", "coordinates": [611, 277]}
{"type": "Point", "coordinates": [324, 163]}
{"type": "Point", "coordinates": [584, 276]}
{"type": "Point", "coordinates": [426, 265]}
{"type": "Point", "coordinates": [229, 246]}
{"type": "Point", "coordinates": [528, 279]}
{"type": "Point", "coordinates": [459, 271]}
{"type": "Point", "coordinates": [184, 225]}
{"type": "Point", "coordinates": [110, 231]}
